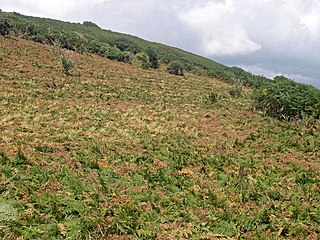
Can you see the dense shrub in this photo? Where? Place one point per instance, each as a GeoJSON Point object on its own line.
{"type": "Point", "coordinates": [97, 47]}
{"type": "Point", "coordinates": [125, 44]}
{"type": "Point", "coordinates": [4, 28]}
{"type": "Point", "coordinates": [234, 74]}
{"type": "Point", "coordinates": [144, 60]}
{"type": "Point", "coordinates": [175, 68]}
{"type": "Point", "coordinates": [153, 58]}
{"type": "Point", "coordinates": [286, 99]}
{"type": "Point", "coordinates": [105, 50]}
{"type": "Point", "coordinates": [31, 30]}
{"type": "Point", "coordinates": [113, 53]}
{"type": "Point", "coordinates": [126, 57]}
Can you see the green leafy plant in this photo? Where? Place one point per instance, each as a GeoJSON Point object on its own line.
{"type": "Point", "coordinates": [175, 68]}
{"type": "Point", "coordinates": [153, 58]}
{"type": "Point", "coordinates": [4, 28]}
{"type": "Point", "coordinates": [286, 99]}
{"type": "Point", "coordinates": [144, 60]}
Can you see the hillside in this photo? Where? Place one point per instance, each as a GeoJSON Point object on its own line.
{"type": "Point", "coordinates": [36, 28]}
{"type": "Point", "coordinates": [113, 151]}
{"type": "Point", "coordinates": [88, 37]}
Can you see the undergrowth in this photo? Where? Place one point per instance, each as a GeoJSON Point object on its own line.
{"type": "Point", "coordinates": [117, 152]}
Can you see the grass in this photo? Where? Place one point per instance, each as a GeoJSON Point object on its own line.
{"type": "Point", "coordinates": [116, 152]}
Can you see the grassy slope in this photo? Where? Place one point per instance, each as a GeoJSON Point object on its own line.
{"type": "Point", "coordinates": [165, 52]}
{"type": "Point", "coordinates": [115, 151]}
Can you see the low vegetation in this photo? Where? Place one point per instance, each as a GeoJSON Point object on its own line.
{"type": "Point", "coordinates": [114, 151]}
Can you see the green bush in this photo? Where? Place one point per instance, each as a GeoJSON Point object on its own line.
{"type": "Point", "coordinates": [4, 28]}
{"type": "Point", "coordinates": [31, 30]}
{"type": "Point", "coordinates": [175, 68]}
{"type": "Point", "coordinates": [153, 58]}
{"type": "Point", "coordinates": [113, 53]}
{"type": "Point", "coordinates": [125, 44]}
{"type": "Point", "coordinates": [97, 47]}
{"type": "Point", "coordinates": [144, 60]}
{"type": "Point", "coordinates": [286, 99]}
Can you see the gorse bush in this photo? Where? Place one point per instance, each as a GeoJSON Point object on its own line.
{"type": "Point", "coordinates": [175, 68]}
{"type": "Point", "coordinates": [286, 99]}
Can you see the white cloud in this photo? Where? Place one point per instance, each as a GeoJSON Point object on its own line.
{"type": "Point", "coordinates": [311, 20]}
{"type": "Point", "coordinates": [233, 27]}
{"type": "Point", "coordinates": [230, 43]}
{"type": "Point", "coordinates": [210, 21]}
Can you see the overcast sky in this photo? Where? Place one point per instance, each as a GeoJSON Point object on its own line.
{"type": "Point", "coordinates": [264, 36]}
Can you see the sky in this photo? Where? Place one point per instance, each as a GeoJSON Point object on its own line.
{"type": "Point", "coordinates": [269, 37]}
